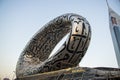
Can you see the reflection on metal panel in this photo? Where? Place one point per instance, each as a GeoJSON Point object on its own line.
{"type": "Point", "coordinates": [114, 19]}
{"type": "Point", "coordinates": [117, 34]}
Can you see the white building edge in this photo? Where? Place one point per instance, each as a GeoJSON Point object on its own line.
{"type": "Point", "coordinates": [114, 21]}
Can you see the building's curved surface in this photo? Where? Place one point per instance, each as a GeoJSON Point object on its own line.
{"type": "Point", "coordinates": [34, 58]}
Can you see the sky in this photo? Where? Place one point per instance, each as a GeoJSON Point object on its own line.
{"type": "Point", "coordinates": [21, 19]}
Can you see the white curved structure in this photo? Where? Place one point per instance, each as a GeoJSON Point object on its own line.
{"type": "Point", "coordinates": [114, 20]}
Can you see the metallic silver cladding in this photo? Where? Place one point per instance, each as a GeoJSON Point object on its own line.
{"type": "Point", "coordinates": [34, 58]}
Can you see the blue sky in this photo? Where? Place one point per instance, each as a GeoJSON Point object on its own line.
{"type": "Point", "coordinates": [21, 19]}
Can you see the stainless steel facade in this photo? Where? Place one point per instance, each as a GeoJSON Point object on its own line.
{"type": "Point", "coordinates": [35, 57]}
